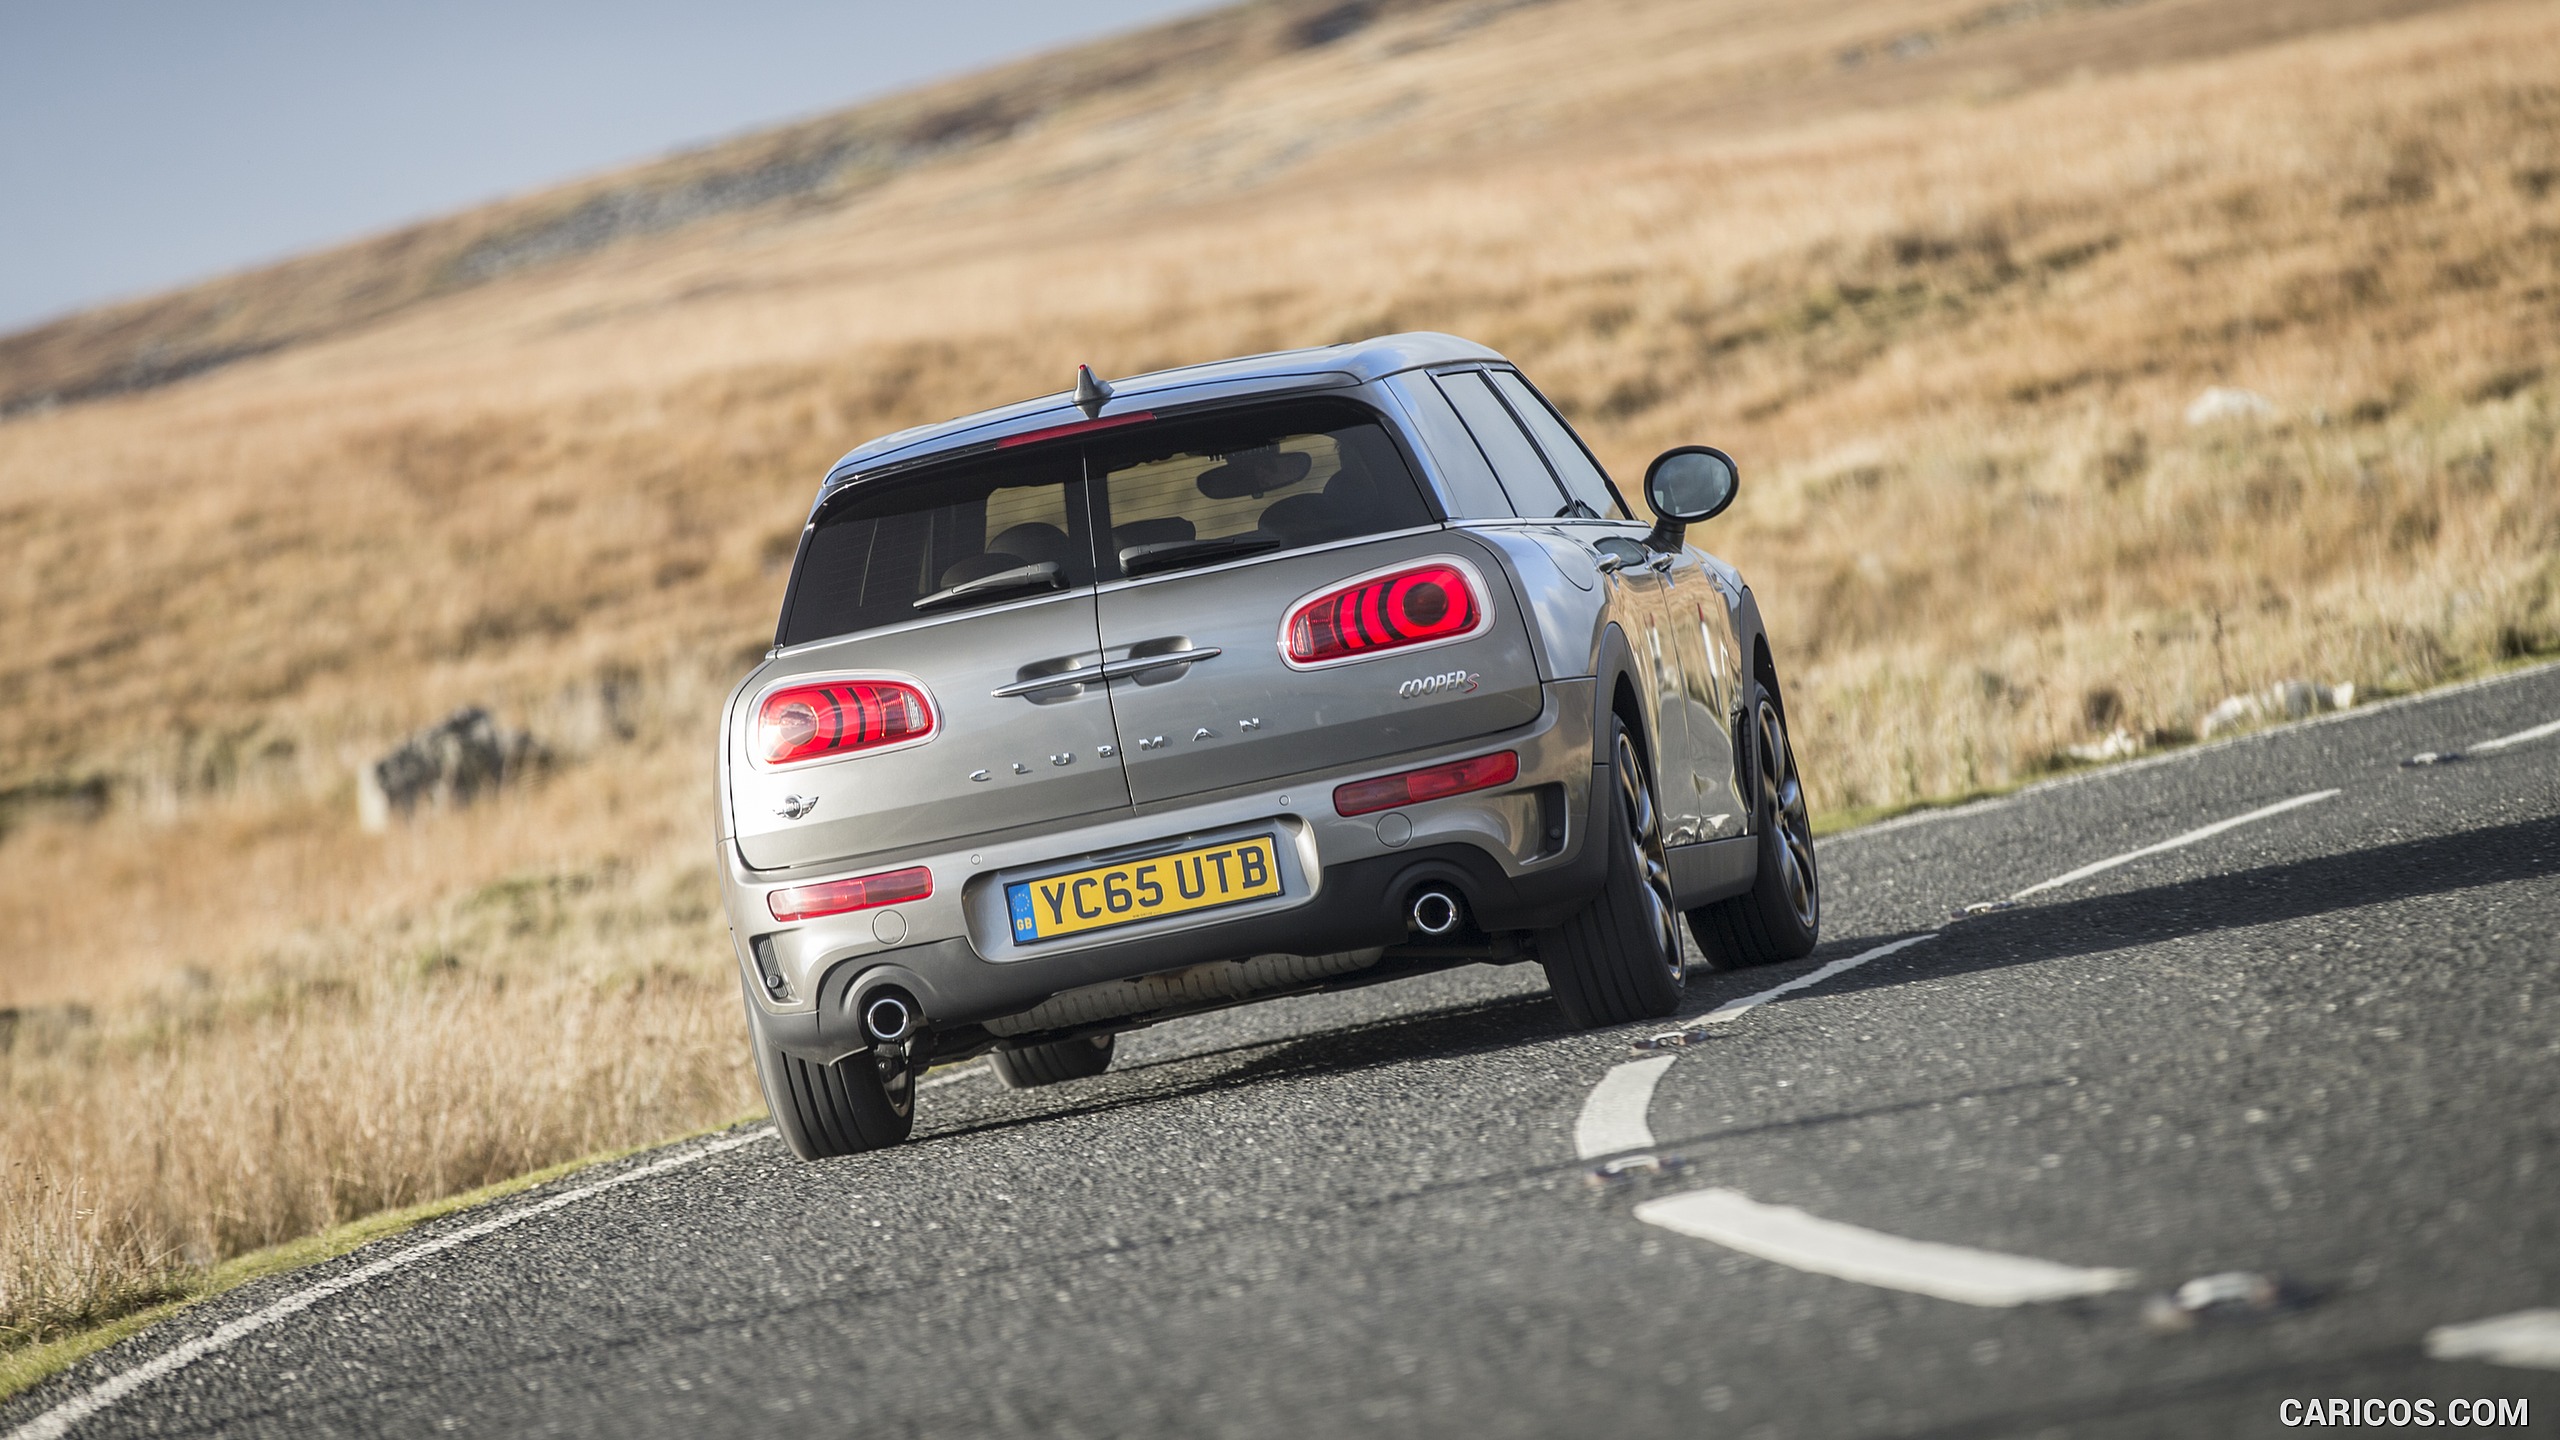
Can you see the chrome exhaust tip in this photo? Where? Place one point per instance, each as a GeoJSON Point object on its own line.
{"type": "Point", "coordinates": [1437, 912]}
{"type": "Point", "coordinates": [889, 1017]}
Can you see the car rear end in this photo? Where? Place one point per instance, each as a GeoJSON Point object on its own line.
{"type": "Point", "coordinates": [1077, 721]}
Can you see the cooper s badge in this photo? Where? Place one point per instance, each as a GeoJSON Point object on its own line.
{"type": "Point", "coordinates": [1459, 682]}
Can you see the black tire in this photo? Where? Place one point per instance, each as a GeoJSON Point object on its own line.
{"type": "Point", "coordinates": [824, 1111]}
{"type": "Point", "coordinates": [1619, 959]}
{"type": "Point", "coordinates": [1780, 916]}
{"type": "Point", "coordinates": [1048, 1064]}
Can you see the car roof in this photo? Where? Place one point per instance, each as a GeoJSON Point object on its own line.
{"type": "Point", "coordinates": [1355, 363]}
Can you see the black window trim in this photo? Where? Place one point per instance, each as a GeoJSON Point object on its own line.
{"type": "Point", "coordinates": [1557, 412]}
{"type": "Point", "coordinates": [1479, 367]}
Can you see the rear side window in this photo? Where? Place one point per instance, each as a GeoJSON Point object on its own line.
{"type": "Point", "coordinates": [1534, 492]}
{"type": "Point", "coordinates": [1006, 528]}
{"type": "Point", "coordinates": [1583, 478]}
{"type": "Point", "coordinates": [1195, 492]}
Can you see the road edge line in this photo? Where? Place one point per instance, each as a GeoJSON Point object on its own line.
{"type": "Point", "coordinates": [2189, 752]}
{"type": "Point", "coordinates": [56, 1422]}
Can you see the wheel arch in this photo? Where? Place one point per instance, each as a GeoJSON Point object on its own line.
{"type": "Point", "coordinates": [1625, 701]}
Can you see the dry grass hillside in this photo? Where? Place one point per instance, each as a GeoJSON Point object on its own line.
{"type": "Point", "coordinates": [1945, 274]}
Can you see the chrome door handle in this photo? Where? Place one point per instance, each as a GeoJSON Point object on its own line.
{"type": "Point", "coordinates": [1081, 675]}
{"type": "Point", "coordinates": [1140, 664]}
{"type": "Point", "coordinates": [1661, 562]}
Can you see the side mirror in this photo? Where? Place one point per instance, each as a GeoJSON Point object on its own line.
{"type": "Point", "coordinates": [1685, 485]}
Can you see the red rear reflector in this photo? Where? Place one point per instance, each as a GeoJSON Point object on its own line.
{"type": "Point", "coordinates": [1409, 607]}
{"type": "Point", "coordinates": [1078, 427]}
{"type": "Point", "coordinates": [840, 717]}
{"type": "Point", "coordinates": [863, 892]}
{"type": "Point", "coordinates": [1431, 783]}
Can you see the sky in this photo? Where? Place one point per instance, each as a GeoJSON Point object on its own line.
{"type": "Point", "coordinates": [148, 143]}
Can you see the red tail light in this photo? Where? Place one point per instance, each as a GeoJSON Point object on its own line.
{"type": "Point", "coordinates": [1433, 601]}
{"type": "Point", "coordinates": [839, 717]}
{"type": "Point", "coordinates": [1431, 783]}
{"type": "Point", "coordinates": [862, 892]}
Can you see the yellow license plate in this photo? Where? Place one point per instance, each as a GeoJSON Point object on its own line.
{"type": "Point", "coordinates": [1133, 890]}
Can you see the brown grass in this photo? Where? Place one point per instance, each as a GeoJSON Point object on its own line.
{"type": "Point", "coordinates": [1947, 309]}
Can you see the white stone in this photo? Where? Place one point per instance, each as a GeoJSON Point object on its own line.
{"type": "Point", "coordinates": [2224, 402]}
{"type": "Point", "coordinates": [2284, 700]}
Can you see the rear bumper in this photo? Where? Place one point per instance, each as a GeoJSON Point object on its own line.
{"type": "Point", "coordinates": [1520, 856]}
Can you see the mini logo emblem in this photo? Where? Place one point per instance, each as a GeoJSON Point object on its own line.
{"type": "Point", "coordinates": [795, 806]}
{"type": "Point", "coordinates": [1455, 682]}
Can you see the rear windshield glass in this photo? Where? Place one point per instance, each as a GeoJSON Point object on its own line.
{"type": "Point", "coordinates": [1163, 496]}
{"type": "Point", "coordinates": [1008, 528]}
{"type": "Point", "coordinates": [1186, 493]}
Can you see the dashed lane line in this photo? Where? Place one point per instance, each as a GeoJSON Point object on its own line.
{"type": "Point", "coordinates": [1794, 1238]}
{"type": "Point", "coordinates": [1613, 1121]}
{"type": "Point", "coordinates": [1613, 1113]}
{"type": "Point", "coordinates": [2521, 737]}
{"type": "Point", "coordinates": [1736, 1009]}
{"type": "Point", "coordinates": [2174, 842]}
{"type": "Point", "coordinates": [2528, 1338]}
{"type": "Point", "coordinates": [58, 1421]}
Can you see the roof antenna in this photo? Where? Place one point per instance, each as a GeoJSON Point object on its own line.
{"type": "Point", "coordinates": [1091, 394]}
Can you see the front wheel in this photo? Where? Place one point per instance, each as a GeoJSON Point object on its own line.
{"type": "Point", "coordinates": [1619, 959]}
{"type": "Point", "coordinates": [1780, 916]}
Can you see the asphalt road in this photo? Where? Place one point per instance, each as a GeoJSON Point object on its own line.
{"type": "Point", "coordinates": [2322, 1045]}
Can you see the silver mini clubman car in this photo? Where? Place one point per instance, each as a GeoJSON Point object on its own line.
{"type": "Point", "coordinates": [1289, 673]}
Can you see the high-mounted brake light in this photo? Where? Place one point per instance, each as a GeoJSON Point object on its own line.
{"type": "Point", "coordinates": [1432, 782]}
{"type": "Point", "coordinates": [1074, 427]}
{"type": "Point", "coordinates": [1433, 601]}
{"type": "Point", "coordinates": [862, 892]}
{"type": "Point", "coordinates": [839, 717]}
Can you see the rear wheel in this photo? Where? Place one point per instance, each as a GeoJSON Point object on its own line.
{"type": "Point", "coordinates": [1619, 959]}
{"type": "Point", "coordinates": [1780, 916]}
{"type": "Point", "coordinates": [824, 1111]}
{"type": "Point", "coordinates": [1048, 1064]}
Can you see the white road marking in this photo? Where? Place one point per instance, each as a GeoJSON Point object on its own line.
{"type": "Point", "coordinates": [2518, 738]}
{"type": "Point", "coordinates": [2175, 842]}
{"type": "Point", "coordinates": [1613, 1119]}
{"type": "Point", "coordinates": [2529, 1338]}
{"type": "Point", "coordinates": [934, 1082]}
{"type": "Point", "coordinates": [1826, 1247]}
{"type": "Point", "coordinates": [1732, 1009]}
{"type": "Point", "coordinates": [1613, 1114]}
{"type": "Point", "coordinates": [58, 1421]}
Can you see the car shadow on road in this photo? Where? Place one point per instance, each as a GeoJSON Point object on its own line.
{"type": "Point", "coordinates": [2270, 894]}
{"type": "Point", "coordinates": [1478, 1028]}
